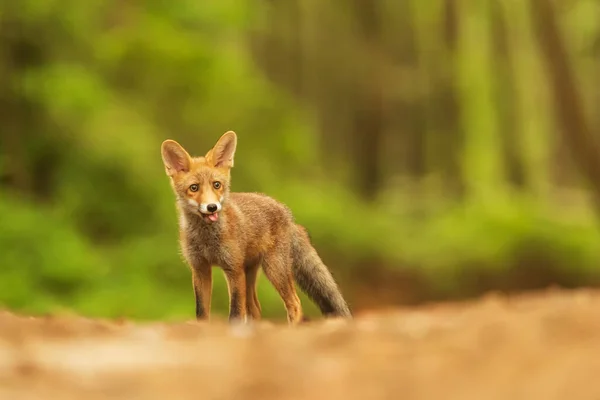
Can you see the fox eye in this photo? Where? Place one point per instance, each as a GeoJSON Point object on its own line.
{"type": "Point", "coordinates": [216, 184]}
{"type": "Point", "coordinates": [194, 187]}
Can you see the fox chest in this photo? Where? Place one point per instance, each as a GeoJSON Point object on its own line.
{"type": "Point", "coordinates": [201, 247]}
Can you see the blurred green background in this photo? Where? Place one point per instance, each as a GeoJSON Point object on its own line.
{"type": "Point", "coordinates": [434, 149]}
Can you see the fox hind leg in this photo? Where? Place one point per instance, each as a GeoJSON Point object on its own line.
{"type": "Point", "coordinates": [278, 270]}
{"type": "Point", "coordinates": [252, 304]}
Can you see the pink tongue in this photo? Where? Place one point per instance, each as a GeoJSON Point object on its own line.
{"type": "Point", "coordinates": [213, 217]}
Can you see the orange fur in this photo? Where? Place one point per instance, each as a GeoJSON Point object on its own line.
{"type": "Point", "coordinates": [240, 232]}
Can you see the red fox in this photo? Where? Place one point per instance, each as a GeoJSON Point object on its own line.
{"type": "Point", "coordinates": [239, 232]}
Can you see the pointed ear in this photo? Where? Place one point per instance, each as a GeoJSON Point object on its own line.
{"type": "Point", "coordinates": [222, 154]}
{"type": "Point", "coordinates": [175, 158]}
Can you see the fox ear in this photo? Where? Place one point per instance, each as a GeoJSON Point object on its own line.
{"type": "Point", "coordinates": [222, 154]}
{"type": "Point", "coordinates": [175, 158]}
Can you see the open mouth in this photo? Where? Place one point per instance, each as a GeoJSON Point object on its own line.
{"type": "Point", "coordinates": [214, 217]}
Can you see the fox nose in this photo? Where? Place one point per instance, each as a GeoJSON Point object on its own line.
{"type": "Point", "coordinates": [211, 207]}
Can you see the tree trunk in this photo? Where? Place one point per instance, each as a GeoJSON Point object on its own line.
{"type": "Point", "coordinates": [449, 108]}
{"type": "Point", "coordinates": [505, 98]}
{"type": "Point", "coordinates": [575, 129]}
{"type": "Point", "coordinates": [368, 118]}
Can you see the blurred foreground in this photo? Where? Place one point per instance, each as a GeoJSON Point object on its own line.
{"type": "Point", "coordinates": [544, 346]}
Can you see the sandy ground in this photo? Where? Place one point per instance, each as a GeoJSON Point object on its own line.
{"type": "Point", "coordinates": [540, 346]}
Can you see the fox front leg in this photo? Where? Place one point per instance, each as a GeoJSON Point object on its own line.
{"type": "Point", "coordinates": [202, 281]}
{"type": "Point", "coordinates": [236, 282]}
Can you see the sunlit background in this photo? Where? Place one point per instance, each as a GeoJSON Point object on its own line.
{"type": "Point", "coordinates": [434, 149]}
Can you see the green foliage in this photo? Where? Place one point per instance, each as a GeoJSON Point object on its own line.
{"type": "Point", "coordinates": [45, 262]}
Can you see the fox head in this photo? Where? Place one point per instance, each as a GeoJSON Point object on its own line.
{"type": "Point", "coordinates": [201, 184]}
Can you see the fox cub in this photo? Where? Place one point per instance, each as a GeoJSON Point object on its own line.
{"type": "Point", "coordinates": [240, 232]}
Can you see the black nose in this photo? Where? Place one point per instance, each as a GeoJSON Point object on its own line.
{"type": "Point", "coordinates": [211, 207]}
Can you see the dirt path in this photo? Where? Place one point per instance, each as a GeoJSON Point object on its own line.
{"type": "Point", "coordinates": [544, 346]}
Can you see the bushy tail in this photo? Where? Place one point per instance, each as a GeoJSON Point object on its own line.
{"type": "Point", "coordinates": [314, 278]}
